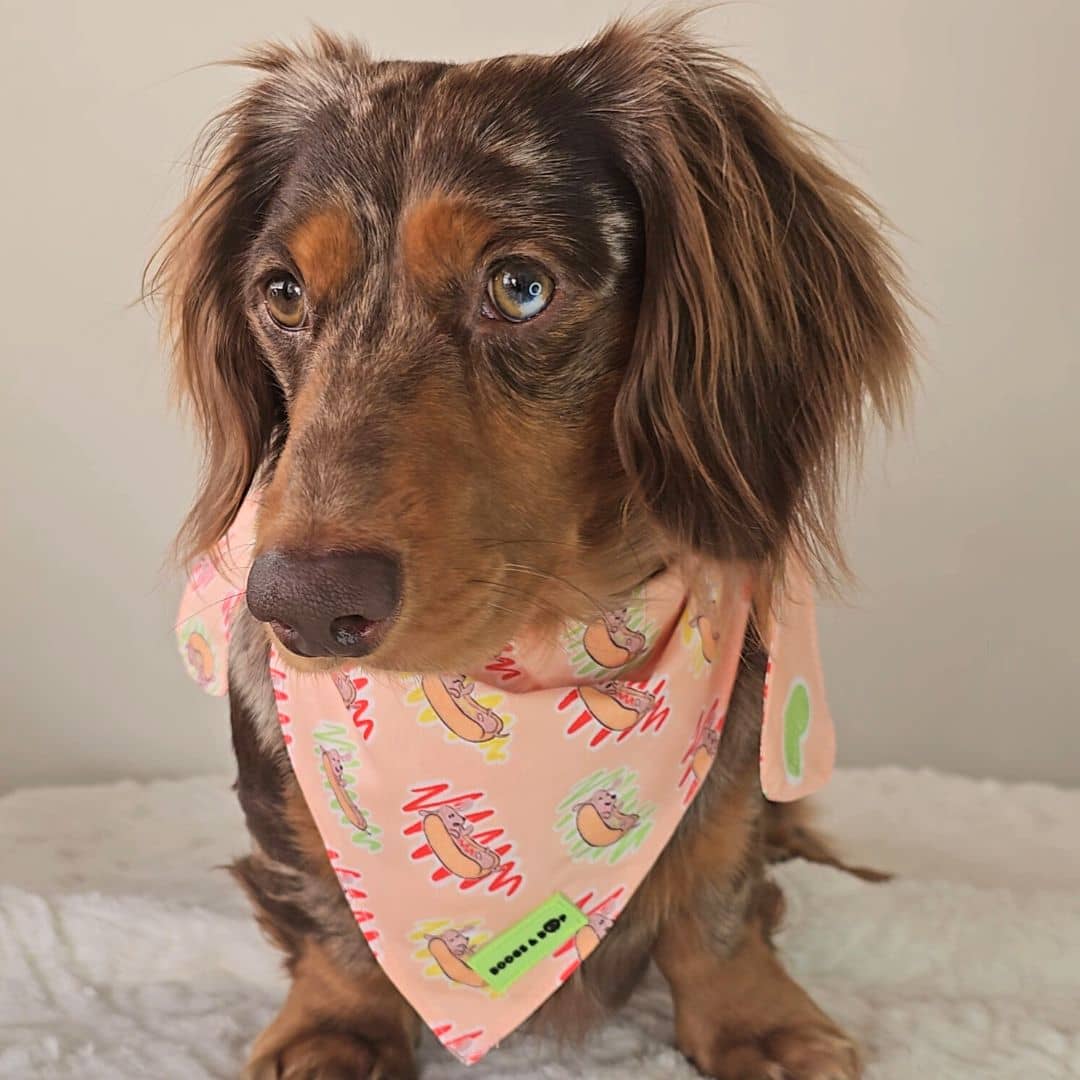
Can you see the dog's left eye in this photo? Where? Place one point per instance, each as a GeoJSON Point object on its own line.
{"type": "Point", "coordinates": [285, 301]}
{"type": "Point", "coordinates": [520, 289]}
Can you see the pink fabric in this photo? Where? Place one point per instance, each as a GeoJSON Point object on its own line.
{"type": "Point", "coordinates": [454, 805]}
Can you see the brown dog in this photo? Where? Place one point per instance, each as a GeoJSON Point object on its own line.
{"type": "Point", "coordinates": [500, 340]}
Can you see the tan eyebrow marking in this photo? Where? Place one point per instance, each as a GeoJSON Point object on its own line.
{"type": "Point", "coordinates": [442, 237]}
{"type": "Point", "coordinates": [326, 249]}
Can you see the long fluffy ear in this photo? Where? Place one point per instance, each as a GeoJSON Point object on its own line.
{"type": "Point", "coordinates": [217, 369]}
{"type": "Point", "coordinates": [772, 307]}
{"type": "Point", "coordinates": [198, 273]}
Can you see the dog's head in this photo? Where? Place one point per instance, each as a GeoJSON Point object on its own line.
{"type": "Point", "coordinates": [501, 339]}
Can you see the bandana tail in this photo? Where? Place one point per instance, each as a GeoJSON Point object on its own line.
{"type": "Point", "coordinates": [798, 740]}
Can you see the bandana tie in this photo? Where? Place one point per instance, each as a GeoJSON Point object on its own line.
{"type": "Point", "coordinates": [488, 827]}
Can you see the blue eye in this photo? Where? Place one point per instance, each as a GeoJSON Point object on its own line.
{"type": "Point", "coordinates": [520, 289]}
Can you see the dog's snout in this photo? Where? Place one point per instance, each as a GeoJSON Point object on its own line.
{"type": "Point", "coordinates": [334, 604]}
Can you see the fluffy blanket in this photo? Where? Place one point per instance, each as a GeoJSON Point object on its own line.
{"type": "Point", "coordinates": [125, 953]}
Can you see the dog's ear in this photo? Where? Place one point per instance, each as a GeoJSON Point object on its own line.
{"type": "Point", "coordinates": [198, 273]}
{"type": "Point", "coordinates": [218, 370]}
{"type": "Point", "coordinates": [771, 312]}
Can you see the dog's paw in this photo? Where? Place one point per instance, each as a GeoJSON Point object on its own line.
{"type": "Point", "coordinates": [329, 1056]}
{"type": "Point", "coordinates": [804, 1052]}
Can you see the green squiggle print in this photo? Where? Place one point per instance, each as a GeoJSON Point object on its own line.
{"type": "Point", "coordinates": [796, 728]}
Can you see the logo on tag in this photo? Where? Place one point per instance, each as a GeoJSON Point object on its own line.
{"type": "Point", "coordinates": [502, 961]}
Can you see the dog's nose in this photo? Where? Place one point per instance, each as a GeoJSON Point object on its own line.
{"type": "Point", "coordinates": [337, 604]}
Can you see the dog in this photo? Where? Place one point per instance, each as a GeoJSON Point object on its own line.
{"type": "Point", "coordinates": [494, 340]}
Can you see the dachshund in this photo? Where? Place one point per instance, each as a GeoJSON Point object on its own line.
{"type": "Point", "coordinates": [493, 340]}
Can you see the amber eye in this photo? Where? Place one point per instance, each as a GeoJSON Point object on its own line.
{"type": "Point", "coordinates": [285, 301]}
{"type": "Point", "coordinates": [520, 289]}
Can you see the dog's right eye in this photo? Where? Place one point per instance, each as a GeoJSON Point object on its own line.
{"type": "Point", "coordinates": [285, 301]}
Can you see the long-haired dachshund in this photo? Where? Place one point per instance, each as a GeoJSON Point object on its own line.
{"type": "Point", "coordinates": [491, 339]}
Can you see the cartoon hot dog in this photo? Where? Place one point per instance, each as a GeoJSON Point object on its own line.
{"type": "Point", "coordinates": [590, 935]}
{"type": "Point", "coordinates": [616, 705]}
{"type": "Point", "coordinates": [200, 658]}
{"type": "Point", "coordinates": [345, 687]}
{"type": "Point", "coordinates": [333, 764]}
{"type": "Point", "coordinates": [600, 822]}
{"type": "Point", "coordinates": [705, 753]}
{"type": "Point", "coordinates": [448, 834]}
{"type": "Point", "coordinates": [449, 950]}
{"type": "Point", "coordinates": [708, 635]}
{"type": "Point", "coordinates": [452, 698]}
{"type": "Point", "coordinates": [611, 642]}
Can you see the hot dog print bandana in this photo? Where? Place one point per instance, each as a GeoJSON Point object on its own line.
{"type": "Point", "coordinates": [488, 827]}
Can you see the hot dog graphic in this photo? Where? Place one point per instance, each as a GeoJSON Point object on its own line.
{"type": "Point", "coordinates": [616, 705]}
{"type": "Point", "coordinates": [333, 763]}
{"type": "Point", "coordinates": [448, 835]}
{"type": "Point", "coordinates": [708, 635]}
{"type": "Point", "coordinates": [599, 820]}
{"type": "Point", "coordinates": [345, 687]}
{"type": "Point", "coordinates": [452, 698]}
{"type": "Point", "coordinates": [589, 936]}
{"type": "Point", "coordinates": [706, 750]}
{"type": "Point", "coordinates": [611, 642]}
{"type": "Point", "coordinates": [449, 950]}
{"type": "Point", "coordinates": [200, 658]}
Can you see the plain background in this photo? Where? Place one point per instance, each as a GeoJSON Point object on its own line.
{"type": "Point", "coordinates": [960, 651]}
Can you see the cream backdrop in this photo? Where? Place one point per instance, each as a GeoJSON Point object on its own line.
{"type": "Point", "coordinates": [959, 652]}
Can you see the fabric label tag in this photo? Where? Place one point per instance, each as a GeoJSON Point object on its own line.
{"type": "Point", "coordinates": [503, 960]}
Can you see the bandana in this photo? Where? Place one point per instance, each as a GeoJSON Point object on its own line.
{"type": "Point", "coordinates": [488, 827]}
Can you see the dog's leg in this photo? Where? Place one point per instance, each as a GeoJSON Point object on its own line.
{"type": "Point", "coordinates": [738, 1014]}
{"type": "Point", "coordinates": [337, 1022]}
{"type": "Point", "coordinates": [342, 1018]}
{"type": "Point", "coordinates": [789, 834]}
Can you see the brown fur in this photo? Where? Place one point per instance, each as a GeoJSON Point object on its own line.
{"type": "Point", "coordinates": [326, 250]}
{"type": "Point", "coordinates": [726, 312]}
{"type": "Point", "coordinates": [441, 239]}
{"type": "Point", "coordinates": [790, 834]}
{"type": "Point", "coordinates": [334, 1020]}
{"type": "Point", "coordinates": [744, 1016]}
{"type": "Point", "coordinates": [770, 316]}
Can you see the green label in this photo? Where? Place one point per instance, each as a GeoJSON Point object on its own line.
{"type": "Point", "coordinates": [503, 960]}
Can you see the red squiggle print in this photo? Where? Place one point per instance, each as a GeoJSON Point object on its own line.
{"type": "Point", "coordinates": [488, 843]}
{"type": "Point", "coordinates": [504, 666]}
{"type": "Point", "coordinates": [281, 696]}
{"type": "Point", "coordinates": [653, 720]}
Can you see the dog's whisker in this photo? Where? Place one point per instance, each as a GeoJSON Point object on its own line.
{"type": "Point", "coordinates": [495, 540]}
{"type": "Point", "coordinates": [558, 579]}
{"type": "Point", "coordinates": [207, 607]}
{"type": "Point", "coordinates": [534, 601]}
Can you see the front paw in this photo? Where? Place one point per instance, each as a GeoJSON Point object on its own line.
{"type": "Point", "coordinates": [802, 1052]}
{"type": "Point", "coordinates": [331, 1056]}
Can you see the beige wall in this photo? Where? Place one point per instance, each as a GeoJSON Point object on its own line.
{"type": "Point", "coordinates": [961, 650]}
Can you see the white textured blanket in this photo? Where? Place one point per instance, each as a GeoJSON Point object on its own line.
{"type": "Point", "coordinates": [124, 953]}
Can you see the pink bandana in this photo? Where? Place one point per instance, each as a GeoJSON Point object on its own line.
{"type": "Point", "coordinates": [488, 828]}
